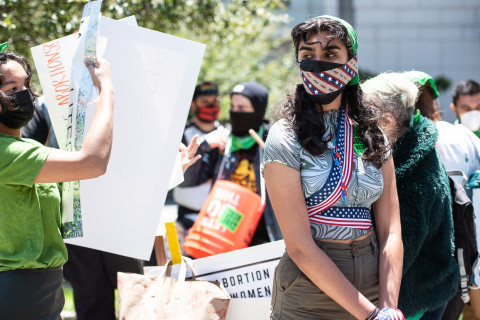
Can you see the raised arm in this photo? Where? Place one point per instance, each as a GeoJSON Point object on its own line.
{"type": "Point", "coordinates": [91, 161]}
{"type": "Point", "coordinates": [285, 192]}
{"type": "Point", "coordinates": [389, 232]}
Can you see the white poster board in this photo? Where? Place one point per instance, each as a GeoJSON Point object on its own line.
{"type": "Point", "coordinates": [154, 76]}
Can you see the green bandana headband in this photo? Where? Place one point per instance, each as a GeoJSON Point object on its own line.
{"type": "Point", "coordinates": [421, 78]}
{"type": "Point", "coordinates": [353, 40]}
{"type": "Point", "coordinates": [3, 46]}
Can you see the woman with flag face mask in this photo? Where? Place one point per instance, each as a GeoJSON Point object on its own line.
{"type": "Point", "coordinates": [326, 167]}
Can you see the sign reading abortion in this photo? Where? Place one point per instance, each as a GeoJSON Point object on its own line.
{"type": "Point", "coordinates": [154, 75]}
{"type": "Point", "coordinates": [245, 273]}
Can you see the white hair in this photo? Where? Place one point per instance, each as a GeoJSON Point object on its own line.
{"type": "Point", "coordinates": [392, 93]}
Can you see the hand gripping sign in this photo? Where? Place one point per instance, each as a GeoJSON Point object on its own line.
{"type": "Point", "coordinates": [154, 75]}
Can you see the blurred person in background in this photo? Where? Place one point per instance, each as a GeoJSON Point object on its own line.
{"type": "Point", "coordinates": [457, 145]}
{"type": "Point", "coordinates": [466, 105]}
{"type": "Point", "coordinates": [459, 149]}
{"type": "Point", "coordinates": [430, 272]}
{"type": "Point", "coordinates": [212, 136]}
{"type": "Point", "coordinates": [243, 155]}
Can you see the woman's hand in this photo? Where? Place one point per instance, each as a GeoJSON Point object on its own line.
{"type": "Point", "coordinates": [92, 160]}
{"type": "Point", "coordinates": [101, 74]}
{"type": "Point", "coordinates": [188, 153]}
{"type": "Point", "coordinates": [389, 314]}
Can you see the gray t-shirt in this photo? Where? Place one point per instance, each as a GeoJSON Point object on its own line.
{"type": "Point", "coordinates": [366, 183]}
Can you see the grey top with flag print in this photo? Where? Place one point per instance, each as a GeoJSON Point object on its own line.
{"type": "Point", "coordinates": [366, 184]}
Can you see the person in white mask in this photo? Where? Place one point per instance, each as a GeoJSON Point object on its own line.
{"type": "Point", "coordinates": [466, 105]}
{"type": "Point", "coordinates": [457, 144]}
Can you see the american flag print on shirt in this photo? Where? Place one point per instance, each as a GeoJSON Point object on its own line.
{"type": "Point", "coordinates": [352, 217]}
{"type": "Point", "coordinates": [330, 192]}
{"type": "Point", "coordinates": [320, 204]}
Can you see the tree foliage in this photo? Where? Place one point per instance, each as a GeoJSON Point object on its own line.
{"type": "Point", "coordinates": [244, 38]}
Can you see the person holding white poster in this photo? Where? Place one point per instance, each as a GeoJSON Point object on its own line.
{"type": "Point", "coordinates": [326, 166]}
{"type": "Point", "coordinates": [32, 250]}
{"type": "Point", "coordinates": [93, 273]}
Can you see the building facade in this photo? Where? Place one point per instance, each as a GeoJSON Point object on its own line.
{"type": "Point", "coordinates": [439, 37]}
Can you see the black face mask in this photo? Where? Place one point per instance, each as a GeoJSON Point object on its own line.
{"type": "Point", "coordinates": [244, 121]}
{"type": "Point", "coordinates": [326, 98]}
{"type": "Point", "coordinates": [317, 67]}
{"type": "Point", "coordinates": [23, 103]}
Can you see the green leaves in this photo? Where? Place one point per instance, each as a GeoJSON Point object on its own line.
{"type": "Point", "coordinates": [246, 40]}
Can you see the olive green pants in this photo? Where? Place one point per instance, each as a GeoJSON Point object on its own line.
{"type": "Point", "coordinates": [295, 297]}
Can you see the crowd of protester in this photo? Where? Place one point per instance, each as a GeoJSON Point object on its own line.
{"type": "Point", "coordinates": [356, 175]}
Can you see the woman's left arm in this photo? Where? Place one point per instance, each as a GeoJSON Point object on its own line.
{"type": "Point", "coordinates": [389, 232]}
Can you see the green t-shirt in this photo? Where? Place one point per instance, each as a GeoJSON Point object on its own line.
{"type": "Point", "coordinates": [30, 219]}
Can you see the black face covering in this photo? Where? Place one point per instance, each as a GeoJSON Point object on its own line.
{"type": "Point", "coordinates": [326, 98]}
{"type": "Point", "coordinates": [317, 67]}
{"type": "Point", "coordinates": [23, 103]}
{"type": "Point", "coordinates": [244, 121]}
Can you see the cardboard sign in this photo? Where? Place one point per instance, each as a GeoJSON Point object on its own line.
{"type": "Point", "coordinates": [154, 75]}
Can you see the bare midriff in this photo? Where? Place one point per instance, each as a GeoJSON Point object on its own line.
{"type": "Point", "coordinates": [349, 241]}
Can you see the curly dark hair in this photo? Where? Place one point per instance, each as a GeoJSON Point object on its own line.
{"type": "Point", "coordinates": [308, 123]}
{"type": "Point", "coordinates": [5, 100]}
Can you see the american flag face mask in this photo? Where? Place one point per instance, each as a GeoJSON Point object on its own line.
{"type": "Point", "coordinates": [324, 81]}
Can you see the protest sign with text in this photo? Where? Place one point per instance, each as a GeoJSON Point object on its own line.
{"type": "Point", "coordinates": [154, 75]}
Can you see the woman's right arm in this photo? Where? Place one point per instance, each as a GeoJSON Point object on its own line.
{"type": "Point", "coordinates": [286, 195]}
{"type": "Point", "coordinates": [91, 161]}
